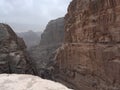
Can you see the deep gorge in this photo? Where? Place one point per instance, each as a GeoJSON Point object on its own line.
{"type": "Point", "coordinates": [80, 50]}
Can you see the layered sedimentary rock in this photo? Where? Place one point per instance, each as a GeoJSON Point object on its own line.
{"type": "Point", "coordinates": [90, 57]}
{"type": "Point", "coordinates": [44, 53]}
{"type": "Point", "coordinates": [13, 56]}
{"type": "Point", "coordinates": [27, 82]}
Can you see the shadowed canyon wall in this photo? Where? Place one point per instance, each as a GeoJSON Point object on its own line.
{"type": "Point", "coordinates": [43, 54]}
{"type": "Point", "coordinates": [13, 56]}
{"type": "Point", "coordinates": [90, 57]}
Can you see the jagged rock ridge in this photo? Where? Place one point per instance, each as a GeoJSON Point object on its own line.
{"type": "Point", "coordinates": [13, 56]}
{"type": "Point", "coordinates": [90, 57]}
{"type": "Point", "coordinates": [51, 39]}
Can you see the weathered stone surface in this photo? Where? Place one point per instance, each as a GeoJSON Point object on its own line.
{"type": "Point", "coordinates": [43, 54]}
{"type": "Point", "coordinates": [90, 57]}
{"type": "Point", "coordinates": [13, 56]}
{"type": "Point", "coordinates": [54, 33]}
{"type": "Point", "coordinates": [27, 82]}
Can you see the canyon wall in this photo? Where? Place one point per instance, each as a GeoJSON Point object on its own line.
{"type": "Point", "coordinates": [43, 54]}
{"type": "Point", "coordinates": [13, 56]}
{"type": "Point", "coordinates": [54, 33]}
{"type": "Point", "coordinates": [90, 57]}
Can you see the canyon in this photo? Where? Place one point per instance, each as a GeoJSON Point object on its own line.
{"type": "Point", "coordinates": [16, 57]}
{"type": "Point", "coordinates": [17, 63]}
{"type": "Point", "coordinates": [43, 54]}
{"type": "Point", "coordinates": [80, 50]}
{"type": "Point", "coordinates": [89, 59]}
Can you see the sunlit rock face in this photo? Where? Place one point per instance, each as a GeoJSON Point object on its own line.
{"type": "Point", "coordinates": [27, 82]}
{"type": "Point", "coordinates": [90, 57]}
{"type": "Point", "coordinates": [43, 54]}
{"type": "Point", "coordinates": [13, 56]}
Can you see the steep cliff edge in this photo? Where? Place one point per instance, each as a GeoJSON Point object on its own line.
{"type": "Point", "coordinates": [90, 57]}
{"type": "Point", "coordinates": [54, 33]}
{"type": "Point", "coordinates": [13, 56]}
{"type": "Point", "coordinates": [51, 39]}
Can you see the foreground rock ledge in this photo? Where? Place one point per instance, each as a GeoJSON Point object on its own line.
{"type": "Point", "coordinates": [27, 82]}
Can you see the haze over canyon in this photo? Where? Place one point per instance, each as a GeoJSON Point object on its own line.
{"type": "Point", "coordinates": [80, 50]}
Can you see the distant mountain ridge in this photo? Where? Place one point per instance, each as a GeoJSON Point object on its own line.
{"type": "Point", "coordinates": [30, 37]}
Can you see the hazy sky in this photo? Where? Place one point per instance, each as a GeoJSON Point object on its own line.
{"type": "Point", "coordinates": [25, 15]}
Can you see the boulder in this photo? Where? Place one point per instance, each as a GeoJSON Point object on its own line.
{"type": "Point", "coordinates": [27, 82]}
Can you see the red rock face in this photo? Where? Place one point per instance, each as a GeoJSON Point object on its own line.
{"type": "Point", "coordinates": [90, 57]}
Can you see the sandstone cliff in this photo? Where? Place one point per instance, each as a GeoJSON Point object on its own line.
{"type": "Point", "coordinates": [13, 57]}
{"type": "Point", "coordinates": [44, 53]}
{"type": "Point", "coordinates": [27, 82]}
{"type": "Point", "coordinates": [90, 57]}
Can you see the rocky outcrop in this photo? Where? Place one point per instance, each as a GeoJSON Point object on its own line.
{"type": "Point", "coordinates": [13, 56]}
{"type": "Point", "coordinates": [27, 82]}
{"type": "Point", "coordinates": [44, 53]}
{"type": "Point", "coordinates": [90, 57]}
{"type": "Point", "coordinates": [54, 33]}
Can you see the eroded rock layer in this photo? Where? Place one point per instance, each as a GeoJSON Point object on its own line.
{"type": "Point", "coordinates": [13, 56]}
{"type": "Point", "coordinates": [90, 58]}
